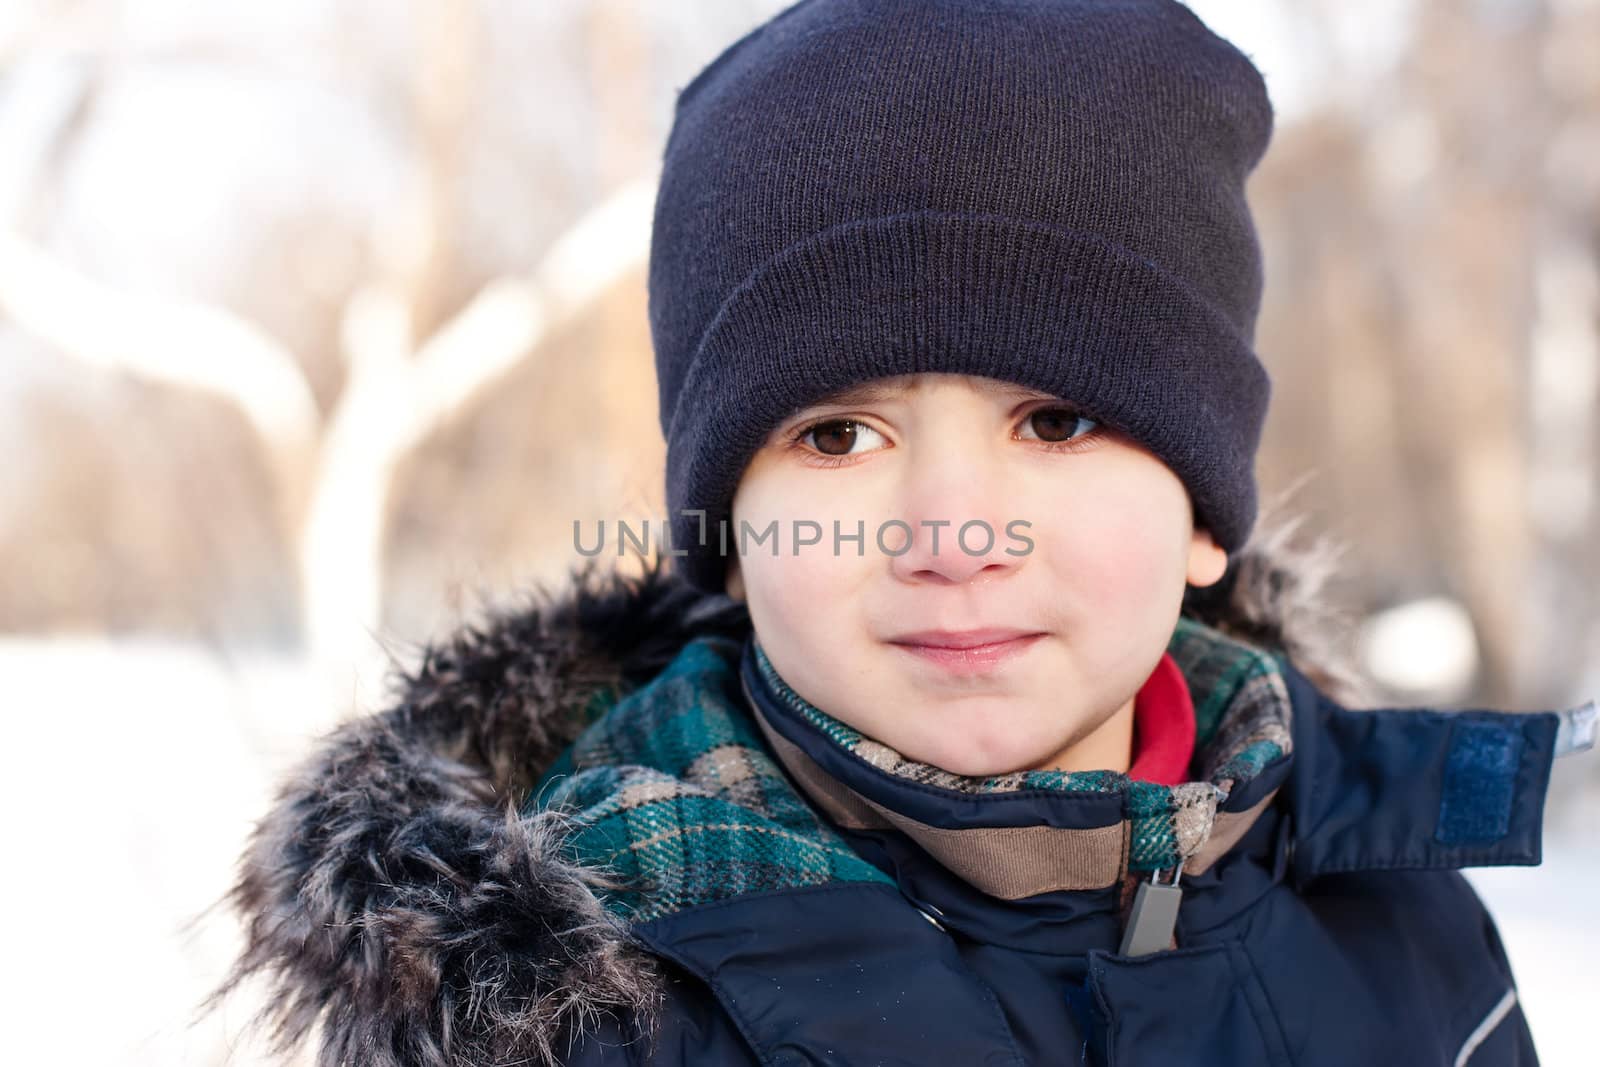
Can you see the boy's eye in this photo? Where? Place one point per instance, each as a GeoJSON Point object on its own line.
{"type": "Point", "coordinates": [1059, 424]}
{"type": "Point", "coordinates": [838, 437]}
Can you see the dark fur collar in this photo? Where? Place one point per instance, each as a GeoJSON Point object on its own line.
{"type": "Point", "coordinates": [392, 896]}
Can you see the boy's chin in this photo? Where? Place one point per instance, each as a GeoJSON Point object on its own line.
{"type": "Point", "coordinates": [973, 759]}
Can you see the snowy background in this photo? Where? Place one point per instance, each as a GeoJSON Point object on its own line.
{"type": "Point", "coordinates": [320, 323]}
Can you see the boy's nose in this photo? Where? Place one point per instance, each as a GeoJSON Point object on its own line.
{"type": "Point", "coordinates": [952, 563]}
{"type": "Point", "coordinates": [958, 518]}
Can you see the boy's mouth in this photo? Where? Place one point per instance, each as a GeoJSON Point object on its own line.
{"type": "Point", "coordinates": [967, 651]}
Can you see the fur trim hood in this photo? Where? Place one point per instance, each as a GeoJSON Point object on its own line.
{"type": "Point", "coordinates": [393, 898]}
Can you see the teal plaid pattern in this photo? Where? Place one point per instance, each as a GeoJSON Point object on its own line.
{"type": "Point", "coordinates": [674, 793]}
{"type": "Point", "coordinates": [673, 790]}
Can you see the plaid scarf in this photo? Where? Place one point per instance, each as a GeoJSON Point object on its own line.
{"type": "Point", "coordinates": [673, 790]}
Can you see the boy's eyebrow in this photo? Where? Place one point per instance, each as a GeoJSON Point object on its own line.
{"type": "Point", "coordinates": [863, 393]}
{"type": "Point", "coordinates": [867, 392]}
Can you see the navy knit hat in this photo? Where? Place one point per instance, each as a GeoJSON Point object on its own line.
{"type": "Point", "coordinates": [1048, 192]}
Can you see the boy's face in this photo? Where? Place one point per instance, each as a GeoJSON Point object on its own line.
{"type": "Point", "coordinates": [1113, 544]}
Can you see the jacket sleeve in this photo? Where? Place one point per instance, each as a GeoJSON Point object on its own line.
{"type": "Point", "coordinates": [692, 1030]}
{"type": "Point", "coordinates": [1502, 1035]}
{"type": "Point", "coordinates": [1502, 1040]}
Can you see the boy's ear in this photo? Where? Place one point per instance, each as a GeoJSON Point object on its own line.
{"type": "Point", "coordinates": [1207, 560]}
{"type": "Point", "coordinates": [733, 580]}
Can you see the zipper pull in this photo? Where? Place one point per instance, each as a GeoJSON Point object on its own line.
{"type": "Point", "coordinates": [1154, 916]}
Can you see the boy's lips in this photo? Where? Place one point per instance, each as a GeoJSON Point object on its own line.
{"type": "Point", "coordinates": [967, 639]}
{"type": "Point", "coordinates": [967, 651]}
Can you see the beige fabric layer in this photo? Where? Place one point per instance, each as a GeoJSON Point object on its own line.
{"type": "Point", "coordinates": [1008, 862]}
{"type": "Point", "coordinates": [1011, 862]}
{"type": "Point", "coordinates": [1227, 827]}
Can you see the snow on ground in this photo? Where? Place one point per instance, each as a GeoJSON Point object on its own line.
{"type": "Point", "coordinates": [1549, 919]}
{"type": "Point", "coordinates": [135, 772]}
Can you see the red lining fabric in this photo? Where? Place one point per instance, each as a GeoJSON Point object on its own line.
{"type": "Point", "coordinates": [1163, 726]}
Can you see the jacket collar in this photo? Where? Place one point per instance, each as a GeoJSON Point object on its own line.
{"type": "Point", "coordinates": [1417, 788]}
{"type": "Point", "coordinates": [393, 898]}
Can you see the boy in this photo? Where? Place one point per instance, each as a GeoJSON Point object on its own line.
{"type": "Point", "coordinates": [1069, 785]}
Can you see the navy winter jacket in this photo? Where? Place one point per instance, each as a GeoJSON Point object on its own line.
{"type": "Point", "coordinates": [417, 897]}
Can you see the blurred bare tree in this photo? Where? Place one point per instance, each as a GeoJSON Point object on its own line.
{"type": "Point", "coordinates": [1431, 323]}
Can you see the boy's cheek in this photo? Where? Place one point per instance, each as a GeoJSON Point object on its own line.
{"type": "Point", "coordinates": [1120, 535]}
{"type": "Point", "coordinates": [812, 589]}
{"type": "Point", "coordinates": [1116, 528]}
